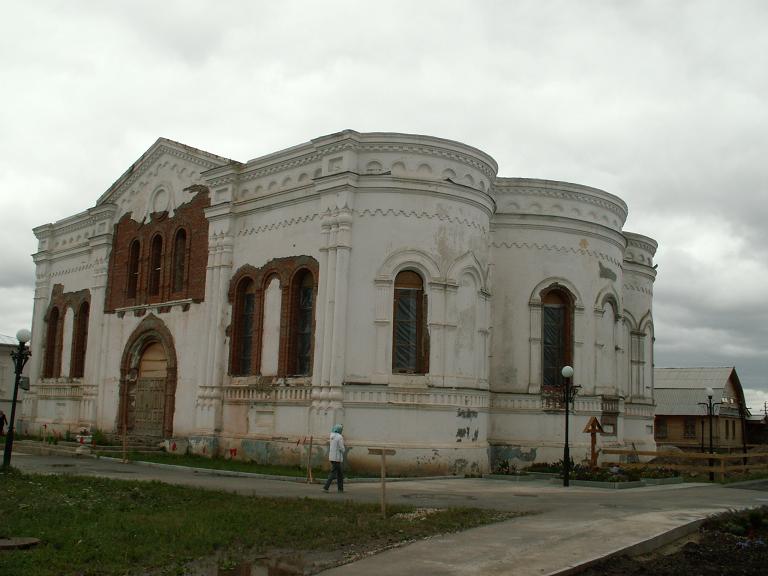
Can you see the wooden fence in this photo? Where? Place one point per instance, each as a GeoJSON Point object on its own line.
{"type": "Point", "coordinates": [721, 465]}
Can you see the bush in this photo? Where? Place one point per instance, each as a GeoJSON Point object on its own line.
{"type": "Point", "coordinates": [745, 523]}
{"type": "Point", "coordinates": [658, 473]}
{"type": "Point", "coordinates": [505, 467]}
{"type": "Point", "coordinates": [548, 467]}
{"type": "Point", "coordinates": [101, 439]}
{"type": "Point", "coordinates": [613, 474]}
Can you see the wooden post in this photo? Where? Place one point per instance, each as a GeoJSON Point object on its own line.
{"type": "Point", "coordinates": [592, 428]}
{"type": "Point", "coordinates": [125, 433]}
{"type": "Point", "coordinates": [383, 484]}
{"type": "Point", "coordinates": [309, 462]}
{"type": "Point", "coordinates": [722, 469]}
{"type": "Point", "coordinates": [383, 452]}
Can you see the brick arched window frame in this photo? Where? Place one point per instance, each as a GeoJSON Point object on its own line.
{"type": "Point", "coordinates": [244, 323]}
{"type": "Point", "coordinates": [134, 257]}
{"type": "Point", "coordinates": [409, 330]}
{"type": "Point", "coordinates": [80, 341]}
{"type": "Point", "coordinates": [155, 265]}
{"type": "Point", "coordinates": [179, 270]}
{"type": "Point", "coordinates": [556, 335]}
{"type": "Point", "coordinates": [52, 364]}
{"type": "Point", "coordinates": [302, 321]}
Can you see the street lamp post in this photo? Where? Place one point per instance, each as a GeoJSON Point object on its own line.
{"type": "Point", "coordinates": [710, 406]}
{"type": "Point", "coordinates": [20, 356]}
{"type": "Point", "coordinates": [568, 394]}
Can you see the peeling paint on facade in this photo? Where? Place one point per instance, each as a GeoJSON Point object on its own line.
{"type": "Point", "coordinates": [486, 248]}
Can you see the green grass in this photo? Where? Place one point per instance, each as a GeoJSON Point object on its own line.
{"type": "Point", "coordinates": [91, 526]}
{"type": "Point", "coordinates": [216, 463]}
{"type": "Point", "coordinates": [222, 464]}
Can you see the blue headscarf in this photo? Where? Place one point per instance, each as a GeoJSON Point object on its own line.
{"type": "Point", "coordinates": [337, 428]}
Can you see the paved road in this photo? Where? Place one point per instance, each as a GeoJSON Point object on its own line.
{"type": "Point", "coordinates": [570, 525]}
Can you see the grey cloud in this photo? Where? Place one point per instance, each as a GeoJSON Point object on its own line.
{"type": "Point", "coordinates": [660, 103]}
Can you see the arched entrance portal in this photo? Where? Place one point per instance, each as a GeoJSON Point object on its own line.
{"type": "Point", "coordinates": [148, 382]}
{"type": "Point", "coordinates": [148, 401]}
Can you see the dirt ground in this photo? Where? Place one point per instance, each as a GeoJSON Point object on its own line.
{"type": "Point", "coordinates": [714, 551]}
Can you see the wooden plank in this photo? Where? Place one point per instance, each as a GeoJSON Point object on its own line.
{"type": "Point", "coordinates": [687, 467]}
{"type": "Point", "coordinates": [684, 455]}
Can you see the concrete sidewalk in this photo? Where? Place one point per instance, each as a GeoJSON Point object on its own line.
{"type": "Point", "coordinates": [567, 526]}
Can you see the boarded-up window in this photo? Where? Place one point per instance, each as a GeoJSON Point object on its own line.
{"type": "Point", "coordinates": [409, 335]}
{"type": "Point", "coordinates": [52, 345]}
{"type": "Point", "coordinates": [242, 341]}
{"type": "Point", "coordinates": [303, 315]}
{"type": "Point", "coordinates": [133, 269]}
{"type": "Point", "coordinates": [80, 341]}
{"type": "Point", "coordinates": [556, 336]}
{"type": "Point", "coordinates": [179, 259]}
{"type": "Point", "coordinates": [155, 265]}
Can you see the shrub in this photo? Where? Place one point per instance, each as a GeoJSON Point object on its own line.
{"type": "Point", "coordinates": [100, 439]}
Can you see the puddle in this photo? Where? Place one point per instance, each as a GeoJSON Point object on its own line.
{"type": "Point", "coordinates": [274, 563]}
{"type": "Point", "coordinates": [431, 496]}
{"type": "Point", "coordinates": [246, 569]}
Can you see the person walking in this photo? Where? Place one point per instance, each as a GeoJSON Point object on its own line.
{"type": "Point", "coordinates": [336, 457]}
{"type": "Point", "coordinates": [3, 423]}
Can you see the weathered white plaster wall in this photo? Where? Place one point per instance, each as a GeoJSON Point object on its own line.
{"type": "Point", "coordinates": [367, 206]}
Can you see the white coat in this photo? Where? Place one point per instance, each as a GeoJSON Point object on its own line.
{"type": "Point", "coordinates": [336, 451]}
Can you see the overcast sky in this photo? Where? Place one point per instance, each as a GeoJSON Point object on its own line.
{"type": "Point", "coordinates": [661, 103]}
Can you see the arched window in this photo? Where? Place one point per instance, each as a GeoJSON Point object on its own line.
{"type": "Point", "coordinates": [556, 335]}
{"type": "Point", "coordinates": [244, 321]}
{"type": "Point", "coordinates": [409, 334]}
{"type": "Point", "coordinates": [155, 265]}
{"type": "Point", "coordinates": [133, 269]}
{"type": "Point", "coordinates": [80, 341]}
{"type": "Point", "coordinates": [303, 304]}
{"type": "Point", "coordinates": [179, 258]}
{"type": "Point", "coordinates": [51, 367]}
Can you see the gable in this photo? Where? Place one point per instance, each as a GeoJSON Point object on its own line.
{"type": "Point", "coordinates": [159, 179]}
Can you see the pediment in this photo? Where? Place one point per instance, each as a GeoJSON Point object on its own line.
{"type": "Point", "coordinates": [159, 179]}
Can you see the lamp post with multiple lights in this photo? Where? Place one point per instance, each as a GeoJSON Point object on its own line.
{"type": "Point", "coordinates": [20, 356]}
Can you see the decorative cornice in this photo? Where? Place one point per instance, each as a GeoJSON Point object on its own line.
{"type": "Point", "coordinates": [448, 397]}
{"type": "Point", "coordinates": [253, 174]}
{"type": "Point", "coordinates": [419, 215]}
{"type": "Point", "coordinates": [286, 223]}
{"type": "Point", "coordinates": [278, 394]}
{"type": "Point", "coordinates": [367, 213]}
{"type": "Point", "coordinates": [80, 268]}
{"type": "Point", "coordinates": [638, 288]}
{"type": "Point", "coordinates": [323, 150]}
{"type": "Point", "coordinates": [619, 210]}
{"type": "Point", "coordinates": [561, 249]}
{"type": "Point", "coordinates": [642, 242]}
{"type": "Point", "coordinates": [434, 151]}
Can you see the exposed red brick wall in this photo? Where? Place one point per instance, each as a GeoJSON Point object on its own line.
{"type": "Point", "coordinates": [286, 269]}
{"type": "Point", "coordinates": [52, 348]}
{"type": "Point", "coordinates": [189, 216]}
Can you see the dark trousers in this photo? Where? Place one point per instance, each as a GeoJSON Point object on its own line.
{"type": "Point", "coordinates": [338, 474]}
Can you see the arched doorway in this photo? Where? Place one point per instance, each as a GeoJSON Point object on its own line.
{"type": "Point", "coordinates": [148, 400]}
{"type": "Point", "coordinates": [148, 382]}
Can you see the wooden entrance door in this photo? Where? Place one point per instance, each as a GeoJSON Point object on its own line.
{"type": "Point", "coordinates": [149, 401]}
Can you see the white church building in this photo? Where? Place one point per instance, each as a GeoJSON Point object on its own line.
{"type": "Point", "coordinates": [389, 282]}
